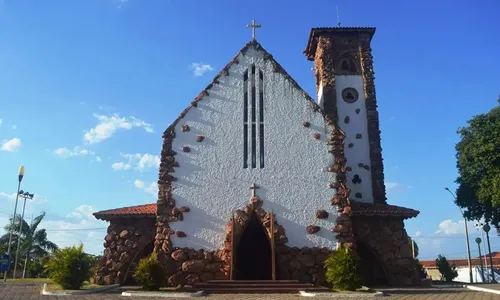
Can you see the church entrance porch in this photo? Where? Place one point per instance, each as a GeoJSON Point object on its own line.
{"type": "Point", "coordinates": [253, 253]}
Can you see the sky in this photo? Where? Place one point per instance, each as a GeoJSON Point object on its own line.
{"type": "Point", "coordinates": [87, 87]}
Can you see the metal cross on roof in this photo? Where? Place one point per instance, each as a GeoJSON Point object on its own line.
{"type": "Point", "coordinates": [253, 188]}
{"type": "Point", "coordinates": [253, 26]}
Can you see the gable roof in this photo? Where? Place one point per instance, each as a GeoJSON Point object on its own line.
{"type": "Point", "coordinates": [312, 43]}
{"type": "Point", "coordinates": [225, 71]}
{"type": "Point", "coordinates": [137, 211]}
{"type": "Point", "coordinates": [358, 209]}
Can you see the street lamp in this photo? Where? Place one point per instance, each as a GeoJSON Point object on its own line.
{"type": "Point", "coordinates": [25, 195]}
{"type": "Point", "coordinates": [487, 229]}
{"type": "Point", "coordinates": [20, 176]}
{"type": "Point", "coordinates": [466, 236]}
{"type": "Point", "coordinates": [478, 241]}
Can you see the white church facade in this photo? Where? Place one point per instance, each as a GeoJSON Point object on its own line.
{"type": "Point", "coordinates": [260, 181]}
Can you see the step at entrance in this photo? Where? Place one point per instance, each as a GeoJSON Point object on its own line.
{"type": "Point", "coordinates": [253, 287]}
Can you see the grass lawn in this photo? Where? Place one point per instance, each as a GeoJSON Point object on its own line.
{"type": "Point", "coordinates": [56, 287]}
{"type": "Point", "coordinates": [28, 280]}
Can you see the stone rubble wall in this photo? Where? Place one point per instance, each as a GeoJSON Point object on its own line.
{"type": "Point", "coordinates": [125, 239]}
{"type": "Point", "coordinates": [388, 239]}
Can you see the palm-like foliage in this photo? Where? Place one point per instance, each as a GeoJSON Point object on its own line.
{"type": "Point", "coordinates": [34, 242]}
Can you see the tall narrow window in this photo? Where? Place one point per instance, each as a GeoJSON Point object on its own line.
{"type": "Point", "coordinates": [245, 119]}
{"type": "Point", "coordinates": [253, 119]}
{"type": "Point", "coordinates": [261, 117]}
{"type": "Point", "coordinates": [254, 133]}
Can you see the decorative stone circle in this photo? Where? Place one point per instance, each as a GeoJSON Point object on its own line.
{"type": "Point", "coordinates": [185, 128]}
{"type": "Point", "coordinates": [349, 169]}
{"type": "Point", "coordinates": [306, 124]}
{"type": "Point", "coordinates": [350, 145]}
{"type": "Point", "coordinates": [359, 195]}
{"type": "Point", "coordinates": [317, 136]}
{"type": "Point", "coordinates": [321, 214]}
{"type": "Point", "coordinates": [356, 179]}
{"type": "Point", "coordinates": [200, 138]}
{"type": "Point", "coordinates": [350, 95]}
{"type": "Point", "coordinates": [358, 136]}
{"type": "Point", "coordinates": [358, 110]}
{"type": "Point", "coordinates": [312, 229]}
{"type": "Point", "coordinates": [186, 149]}
{"type": "Point", "coordinates": [347, 119]}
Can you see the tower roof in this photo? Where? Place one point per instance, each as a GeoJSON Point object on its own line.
{"type": "Point", "coordinates": [334, 31]}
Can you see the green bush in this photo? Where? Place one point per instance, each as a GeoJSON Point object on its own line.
{"type": "Point", "coordinates": [342, 269]}
{"type": "Point", "coordinates": [448, 273]}
{"type": "Point", "coordinates": [69, 267]}
{"type": "Point", "coordinates": [150, 274]}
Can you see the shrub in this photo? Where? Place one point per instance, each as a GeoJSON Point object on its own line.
{"type": "Point", "coordinates": [421, 270]}
{"type": "Point", "coordinates": [448, 273]}
{"type": "Point", "coordinates": [150, 274]}
{"type": "Point", "coordinates": [69, 267]}
{"type": "Point", "coordinates": [342, 269]}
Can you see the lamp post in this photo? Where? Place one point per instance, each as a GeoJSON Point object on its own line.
{"type": "Point", "coordinates": [487, 229]}
{"type": "Point", "coordinates": [466, 237]}
{"type": "Point", "coordinates": [478, 241]}
{"type": "Point", "coordinates": [25, 195]}
{"type": "Point", "coordinates": [20, 176]}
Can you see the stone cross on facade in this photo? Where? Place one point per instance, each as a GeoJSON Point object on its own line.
{"type": "Point", "coordinates": [253, 188]}
{"type": "Point", "coordinates": [253, 26]}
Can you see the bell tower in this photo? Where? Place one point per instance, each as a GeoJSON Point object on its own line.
{"type": "Point", "coordinates": [343, 67]}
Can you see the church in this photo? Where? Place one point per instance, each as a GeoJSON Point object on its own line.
{"type": "Point", "coordinates": [260, 181]}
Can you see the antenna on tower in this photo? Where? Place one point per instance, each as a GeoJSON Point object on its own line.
{"type": "Point", "coordinates": [338, 17]}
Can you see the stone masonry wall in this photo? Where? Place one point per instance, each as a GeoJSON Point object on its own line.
{"type": "Point", "coordinates": [125, 239]}
{"type": "Point", "coordinates": [388, 239]}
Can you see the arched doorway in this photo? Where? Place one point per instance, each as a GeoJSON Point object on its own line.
{"type": "Point", "coordinates": [144, 252]}
{"type": "Point", "coordinates": [253, 257]}
{"type": "Point", "coordinates": [371, 270]}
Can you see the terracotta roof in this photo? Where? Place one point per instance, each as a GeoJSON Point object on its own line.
{"type": "Point", "coordinates": [494, 254]}
{"type": "Point", "coordinates": [315, 32]}
{"type": "Point", "coordinates": [359, 209]}
{"type": "Point", "coordinates": [145, 210]}
{"type": "Point", "coordinates": [476, 262]}
{"type": "Point", "coordinates": [382, 210]}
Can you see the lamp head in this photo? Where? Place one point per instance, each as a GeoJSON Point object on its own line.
{"type": "Point", "coordinates": [478, 240]}
{"type": "Point", "coordinates": [486, 228]}
{"type": "Point", "coordinates": [20, 173]}
{"type": "Point", "coordinates": [26, 194]}
{"type": "Point", "coordinates": [21, 192]}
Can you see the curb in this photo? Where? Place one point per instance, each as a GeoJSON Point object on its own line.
{"type": "Point", "coordinates": [481, 289]}
{"type": "Point", "coordinates": [163, 295]}
{"type": "Point", "coordinates": [306, 294]}
{"type": "Point", "coordinates": [81, 292]}
{"type": "Point", "coordinates": [447, 286]}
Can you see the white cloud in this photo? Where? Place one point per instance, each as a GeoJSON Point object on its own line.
{"type": "Point", "coordinates": [418, 233]}
{"type": "Point", "coordinates": [11, 145]}
{"type": "Point", "coordinates": [396, 187]}
{"type": "Point", "coordinates": [199, 69]}
{"type": "Point", "coordinates": [151, 188]}
{"type": "Point", "coordinates": [142, 162]}
{"type": "Point", "coordinates": [1, 121]}
{"type": "Point", "coordinates": [14, 126]}
{"type": "Point", "coordinates": [8, 196]}
{"type": "Point", "coordinates": [449, 227]}
{"type": "Point", "coordinates": [108, 125]}
{"type": "Point", "coordinates": [118, 166]}
{"type": "Point", "coordinates": [75, 152]}
{"type": "Point", "coordinates": [120, 3]}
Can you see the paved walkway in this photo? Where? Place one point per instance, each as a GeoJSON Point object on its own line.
{"type": "Point", "coordinates": [20, 292]}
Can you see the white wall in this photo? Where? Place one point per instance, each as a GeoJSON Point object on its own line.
{"type": "Point", "coordinates": [212, 182]}
{"type": "Point", "coordinates": [358, 123]}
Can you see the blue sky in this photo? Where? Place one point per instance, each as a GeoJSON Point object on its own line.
{"type": "Point", "coordinates": [87, 88]}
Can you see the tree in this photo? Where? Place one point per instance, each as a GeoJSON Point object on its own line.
{"type": "Point", "coordinates": [448, 273]}
{"type": "Point", "coordinates": [478, 164]}
{"type": "Point", "coordinates": [34, 242]}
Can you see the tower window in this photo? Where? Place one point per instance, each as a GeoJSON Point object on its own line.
{"type": "Point", "coordinates": [350, 95]}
